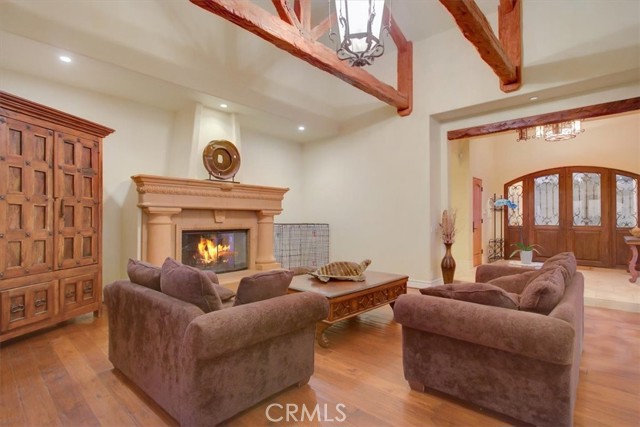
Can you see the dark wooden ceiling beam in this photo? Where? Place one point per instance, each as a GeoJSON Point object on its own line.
{"type": "Point", "coordinates": [288, 37]}
{"type": "Point", "coordinates": [581, 113]}
{"type": "Point", "coordinates": [503, 56]}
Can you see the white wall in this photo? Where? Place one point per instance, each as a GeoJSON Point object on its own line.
{"type": "Point", "coordinates": [277, 163]}
{"type": "Point", "coordinates": [139, 145]}
{"type": "Point", "coordinates": [382, 188]}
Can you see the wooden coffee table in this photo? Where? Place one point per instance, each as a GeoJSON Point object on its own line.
{"type": "Point", "coordinates": [348, 299]}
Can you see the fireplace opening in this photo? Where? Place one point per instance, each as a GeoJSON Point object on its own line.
{"type": "Point", "coordinates": [218, 250]}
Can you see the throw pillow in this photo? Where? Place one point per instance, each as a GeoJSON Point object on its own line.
{"type": "Point", "coordinates": [144, 274]}
{"type": "Point", "coordinates": [514, 282]}
{"type": "Point", "coordinates": [224, 293]}
{"type": "Point", "coordinates": [565, 260]}
{"type": "Point", "coordinates": [263, 286]}
{"type": "Point", "coordinates": [190, 285]}
{"type": "Point", "coordinates": [544, 292]}
{"type": "Point", "coordinates": [478, 293]}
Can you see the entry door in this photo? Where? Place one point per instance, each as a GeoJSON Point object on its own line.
{"type": "Point", "coordinates": [588, 221]}
{"type": "Point", "coordinates": [585, 210]}
{"type": "Point", "coordinates": [477, 221]}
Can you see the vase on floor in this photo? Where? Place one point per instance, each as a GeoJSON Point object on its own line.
{"type": "Point", "coordinates": [448, 265]}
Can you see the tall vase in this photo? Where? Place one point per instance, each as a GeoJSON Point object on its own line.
{"type": "Point", "coordinates": [448, 265]}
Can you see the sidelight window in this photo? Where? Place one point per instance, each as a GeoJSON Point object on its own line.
{"type": "Point", "coordinates": [626, 201]}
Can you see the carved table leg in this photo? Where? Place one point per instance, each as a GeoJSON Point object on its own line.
{"type": "Point", "coordinates": [632, 264]}
{"type": "Point", "coordinates": [320, 336]}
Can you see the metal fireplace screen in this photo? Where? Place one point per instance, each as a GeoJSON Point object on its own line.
{"type": "Point", "coordinates": [301, 245]}
{"type": "Point", "coordinates": [218, 250]}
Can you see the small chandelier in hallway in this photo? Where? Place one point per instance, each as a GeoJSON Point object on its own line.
{"type": "Point", "coordinates": [552, 132]}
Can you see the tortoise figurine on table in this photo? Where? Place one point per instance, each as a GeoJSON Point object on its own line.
{"type": "Point", "coordinates": [342, 270]}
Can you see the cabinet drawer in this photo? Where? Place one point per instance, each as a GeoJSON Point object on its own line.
{"type": "Point", "coordinates": [78, 291]}
{"type": "Point", "coordinates": [28, 304]}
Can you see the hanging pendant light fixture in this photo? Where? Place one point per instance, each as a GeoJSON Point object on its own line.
{"type": "Point", "coordinates": [552, 132]}
{"type": "Point", "coordinates": [359, 29]}
{"type": "Point", "coordinates": [562, 131]}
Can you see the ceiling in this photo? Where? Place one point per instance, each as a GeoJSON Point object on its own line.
{"type": "Point", "coordinates": [171, 53]}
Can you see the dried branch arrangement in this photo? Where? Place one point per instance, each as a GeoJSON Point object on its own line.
{"type": "Point", "coordinates": [448, 226]}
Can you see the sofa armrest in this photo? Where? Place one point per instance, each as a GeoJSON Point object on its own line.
{"type": "Point", "coordinates": [486, 272]}
{"type": "Point", "coordinates": [528, 334]}
{"type": "Point", "coordinates": [231, 329]}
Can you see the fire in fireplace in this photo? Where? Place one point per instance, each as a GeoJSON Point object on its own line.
{"type": "Point", "coordinates": [218, 250]}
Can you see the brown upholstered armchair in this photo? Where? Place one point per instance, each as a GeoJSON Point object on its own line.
{"type": "Point", "coordinates": [205, 368]}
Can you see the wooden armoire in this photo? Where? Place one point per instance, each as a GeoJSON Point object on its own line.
{"type": "Point", "coordinates": [50, 216]}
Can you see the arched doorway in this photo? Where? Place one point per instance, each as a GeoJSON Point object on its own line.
{"type": "Point", "coordinates": [582, 209]}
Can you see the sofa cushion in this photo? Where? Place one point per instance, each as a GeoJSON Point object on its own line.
{"type": "Point", "coordinates": [144, 274]}
{"type": "Point", "coordinates": [479, 293]}
{"type": "Point", "coordinates": [225, 294]}
{"type": "Point", "coordinates": [190, 285]}
{"type": "Point", "coordinates": [544, 292]}
{"type": "Point", "coordinates": [514, 283]}
{"type": "Point", "coordinates": [261, 286]}
{"type": "Point", "coordinates": [566, 261]}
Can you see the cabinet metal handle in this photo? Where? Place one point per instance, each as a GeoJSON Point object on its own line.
{"type": "Point", "coordinates": [17, 308]}
{"type": "Point", "coordinates": [40, 302]}
{"type": "Point", "coordinates": [88, 289]}
{"type": "Point", "coordinates": [71, 294]}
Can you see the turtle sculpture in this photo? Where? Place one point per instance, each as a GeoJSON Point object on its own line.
{"type": "Point", "coordinates": [635, 232]}
{"type": "Point", "coordinates": [342, 270]}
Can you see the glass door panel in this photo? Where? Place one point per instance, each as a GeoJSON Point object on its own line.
{"type": "Point", "coordinates": [547, 200]}
{"type": "Point", "coordinates": [587, 199]}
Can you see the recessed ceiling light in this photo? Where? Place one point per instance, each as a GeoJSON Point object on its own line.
{"type": "Point", "coordinates": [65, 58]}
{"type": "Point", "coordinates": [301, 128]}
{"type": "Point", "coordinates": [223, 106]}
{"type": "Point", "coordinates": [533, 98]}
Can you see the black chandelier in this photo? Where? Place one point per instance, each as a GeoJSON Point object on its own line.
{"type": "Point", "coordinates": [359, 29]}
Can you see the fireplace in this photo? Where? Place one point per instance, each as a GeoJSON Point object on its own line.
{"type": "Point", "coordinates": [219, 250]}
{"type": "Point", "coordinates": [172, 208]}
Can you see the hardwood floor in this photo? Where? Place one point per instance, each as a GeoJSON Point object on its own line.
{"type": "Point", "coordinates": [62, 377]}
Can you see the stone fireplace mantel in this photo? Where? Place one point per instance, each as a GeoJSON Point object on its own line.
{"type": "Point", "coordinates": [170, 205]}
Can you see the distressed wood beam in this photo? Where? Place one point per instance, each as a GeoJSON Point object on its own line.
{"type": "Point", "coordinates": [284, 12]}
{"type": "Point", "coordinates": [476, 29]}
{"type": "Point", "coordinates": [405, 59]}
{"type": "Point", "coordinates": [510, 32]}
{"type": "Point", "coordinates": [302, 8]}
{"type": "Point", "coordinates": [581, 113]}
{"type": "Point", "coordinates": [253, 18]}
{"type": "Point", "coordinates": [324, 25]}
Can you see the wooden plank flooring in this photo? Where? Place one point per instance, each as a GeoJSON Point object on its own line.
{"type": "Point", "coordinates": [62, 377]}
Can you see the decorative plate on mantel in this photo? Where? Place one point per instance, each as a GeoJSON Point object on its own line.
{"type": "Point", "coordinates": [221, 158]}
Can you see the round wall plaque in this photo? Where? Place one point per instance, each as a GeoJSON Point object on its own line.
{"type": "Point", "coordinates": [221, 158]}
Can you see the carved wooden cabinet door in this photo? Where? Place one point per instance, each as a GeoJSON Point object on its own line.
{"type": "Point", "coordinates": [26, 190]}
{"type": "Point", "coordinates": [77, 200]}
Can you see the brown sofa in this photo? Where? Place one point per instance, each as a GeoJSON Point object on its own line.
{"type": "Point", "coordinates": [205, 368]}
{"type": "Point", "coordinates": [519, 363]}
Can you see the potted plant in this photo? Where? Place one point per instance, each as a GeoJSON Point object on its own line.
{"type": "Point", "coordinates": [526, 251]}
